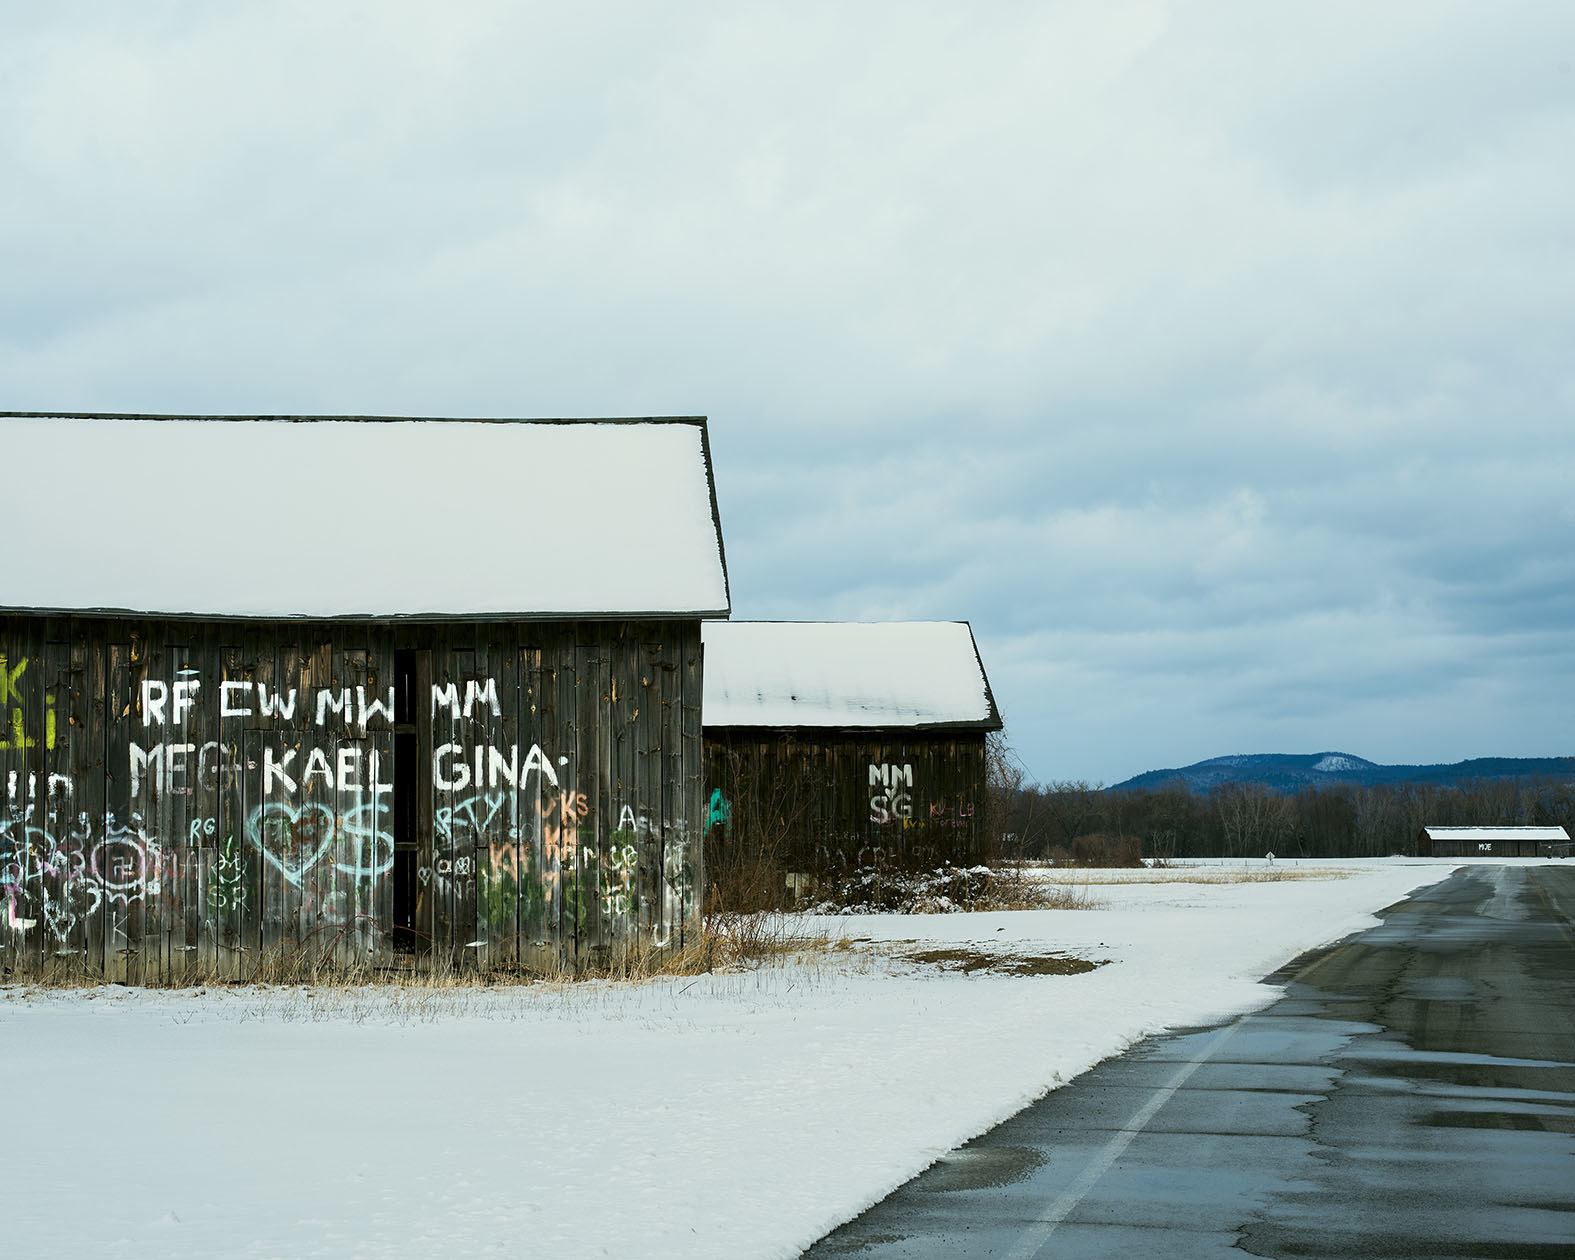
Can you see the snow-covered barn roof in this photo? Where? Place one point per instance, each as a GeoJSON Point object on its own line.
{"type": "Point", "coordinates": [1496, 833]}
{"type": "Point", "coordinates": [856, 675]}
{"type": "Point", "coordinates": [361, 517]}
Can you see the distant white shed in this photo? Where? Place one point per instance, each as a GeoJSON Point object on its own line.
{"type": "Point", "coordinates": [1492, 841]}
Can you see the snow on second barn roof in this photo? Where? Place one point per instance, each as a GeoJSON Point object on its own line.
{"type": "Point", "coordinates": [844, 674]}
{"type": "Point", "coordinates": [351, 517]}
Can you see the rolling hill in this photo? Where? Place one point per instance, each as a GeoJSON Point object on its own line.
{"type": "Point", "coordinates": [1290, 772]}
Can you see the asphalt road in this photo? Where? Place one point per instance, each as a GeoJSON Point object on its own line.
{"type": "Point", "coordinates": [1412, 1094]}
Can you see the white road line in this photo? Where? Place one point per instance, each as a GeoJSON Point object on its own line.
{"type": "Point", "coordinates": [1038, 1233]}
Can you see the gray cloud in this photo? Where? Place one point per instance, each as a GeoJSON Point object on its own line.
{"type": "Point", "coordinates": [1211, 360]}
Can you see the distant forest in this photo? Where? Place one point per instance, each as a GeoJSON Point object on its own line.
{"type": "Point", "coordinates": [1081, 823]}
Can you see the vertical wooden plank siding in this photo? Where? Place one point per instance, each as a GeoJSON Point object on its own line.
{"type": "Point", "coordinates": [693, 775]}
{"type": "Point", "coordinates": [200, 860]}
{"type": "Point", "coordinates": [268, 702]}
{"type": "Point", "coordinates": [61, 703]}
{"type": "Point", "coordinates": [426, 800]}
{"type": "Point", "coordinates": [15, 871]}
{"type": "Point", "coordinates": [566, 811]}
{"type": "Point", "coordinates": [183, 799]}
{"type": "Point", "coordinates": [489, 789]}
{"type": "Point", "coordinates": [89, 822]}
{"type": "Point", "coordinates": [469, 801]}
{"type": "Point", "coordinates": [589, 837]}
{"type": "Point", "coordinates": [227, 891]}
{"type": "Point", "coordinates": [527, 860]}
{"type": "Point", "coordinates": [498, 859]}
{"type": "Point", "coordinates": [117, 837]}
{"type": "Point", "coordinates": [648, 777]}
{"type": "Point", "coordinates": [359, 819]}
{"type": "Point", "coordinates": [623, 840]}
{"type": "Point", "coordinates": [130, 864]}
{"type": "Point", "coordinates": [828, 803]}
{"type": "Point", "coordinates": [25, 707]}
{"type": "Point", "coordinates": [677, 862]}
{"type": "Point", "coordinates": [375, 902]}
{"type": "Point", "coordinates": [547, 822]}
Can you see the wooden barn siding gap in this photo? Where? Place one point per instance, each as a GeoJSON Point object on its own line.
{"type": "Point", "coordinates": [546, 824]}
{"type": "Point", "coordinates": [609, 914]}
{"type": "Point", "coordinates": [497, 913]}
{"type": "Point", "coordinates": [41, 761]}
{"type": "Point", "coordinates": [487, 825]}
{"type": "Point", "coordinates": [134, 866]}
{"type": "Point", "coordinates": [262, 667]}
{"type": "Point", "coordinates": [587, 834]}
{"type": "Point", "coordinates": [44, 801]}
{"type": "Point", "coordinates": [648, 743]}
{"type": "Point", "coordinates": [117, 812]}
{"type": "Point", "coordinates": [14, 857]}
{"type": "Point", "coordinates": [528, 857]}
{"type": "Point", "coordinates": [626, 840]}
{"type": "Point", "coordinates": [677, 862]}
{"type": "Point", "coordinates": [90, 794]}
{"type": "Point", "coordinates": [693, 804]}
{"type": "Point", "coordinates": [210, 863]}
{"type": "Point", "coordinates": [229, 892]}
{"type": "Point", "coordinates": [26, 843]}
{"type": "Point", "coordinates": [562, 819]}
{"type": "Point", "coordinates": [424, 919]}
{"type": "Point", "coordinates": [201, 804]}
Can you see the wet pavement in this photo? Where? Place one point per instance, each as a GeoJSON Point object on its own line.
{"type": "Point", "coordinates": [1411, 1095]}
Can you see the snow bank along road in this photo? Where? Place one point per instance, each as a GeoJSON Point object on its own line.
{"type": "Point", "coordinates": [729, 1115]}
{"type": "Point", "coordinates": [1411, 1096]}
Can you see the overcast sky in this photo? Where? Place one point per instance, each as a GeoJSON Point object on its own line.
{"type": "Point", "coordinates": [1213, 359]}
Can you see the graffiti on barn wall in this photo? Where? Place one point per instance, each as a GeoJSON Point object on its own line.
{"type": "Point", "coordinates": [508, 824]}
{"type": "Point", "coordinates": [56, 868]}
{"type": "Point", "coordinates": [956, 813]}
{"type": "Point", "coordinates": [13, 726]}
{"type": "Point", "coordinates": [891, 793]}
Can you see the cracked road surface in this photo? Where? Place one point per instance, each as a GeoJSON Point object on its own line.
{"type": "Point", "coordinates": [1412, 1094]}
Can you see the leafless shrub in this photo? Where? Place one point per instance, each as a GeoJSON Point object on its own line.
{"type": "Point", "coordinates": [1100, 849]}
{"type": "Point", "coordinates": [945, 890]}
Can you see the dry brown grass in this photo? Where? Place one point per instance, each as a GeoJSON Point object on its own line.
{"type": "Point", "coordinates": [1039, 895]}
{"type": "Point", "coordinates": [723, 942]}
{"type": "Point", "coordinates": [1190, 875]}
{"type": "Point", "coordinates": [968, 961]}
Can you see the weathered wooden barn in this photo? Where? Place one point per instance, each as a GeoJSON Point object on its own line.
{"type": "Point", "coordinates": [1491, 841]}
{"type": "Point", "coordinates": [384, 691]}
{"type": "Point", "coordinates": [834, 747]}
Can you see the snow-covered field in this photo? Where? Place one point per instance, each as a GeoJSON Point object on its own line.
{"type": "Point", "coordinates": [725, 1115]}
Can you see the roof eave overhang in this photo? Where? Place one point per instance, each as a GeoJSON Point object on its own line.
{"type": "Point", "coordinates": [145, 614]}
{"type": "Point", "coordinates": [928, 728]}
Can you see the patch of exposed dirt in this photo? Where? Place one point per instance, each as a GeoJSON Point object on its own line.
{"type": "Point", "coordinates": [972, 960]}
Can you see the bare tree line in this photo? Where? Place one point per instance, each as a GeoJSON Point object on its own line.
{"type": "Point", "coordinates": [1059, 819]}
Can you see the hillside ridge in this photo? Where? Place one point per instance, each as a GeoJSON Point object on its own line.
{"type": "Point", "coordinates": [1290, 772]}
